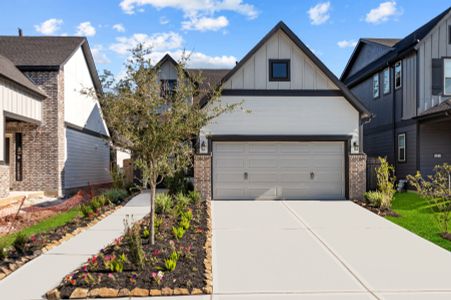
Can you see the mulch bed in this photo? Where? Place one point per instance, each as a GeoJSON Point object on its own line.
{"type": "Point", "coordinates": [377, 210]}
{"type": "Point", "coordinates": [192, 274]}
{"type": "Point", "coordinates": [42, 242]}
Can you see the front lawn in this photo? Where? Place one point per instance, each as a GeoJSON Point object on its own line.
{"type": "Point", "coordinates": [416, 216]}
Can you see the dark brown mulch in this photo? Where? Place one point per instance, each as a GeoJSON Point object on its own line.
{"type": "Point", "coordinates": [377, 210]}
{"type": "Point", "coordinates": [35, 243]}
{"type": "Point", "coordinates": [446, 235]}
{"type": "Point", "coordinates": [189, 272]}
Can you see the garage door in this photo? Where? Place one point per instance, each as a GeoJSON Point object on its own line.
{"type": "Point", "coordinates": [278, 170]}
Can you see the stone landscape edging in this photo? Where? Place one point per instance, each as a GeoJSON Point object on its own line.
{"type": "Point", "coordinates": [14, 266]}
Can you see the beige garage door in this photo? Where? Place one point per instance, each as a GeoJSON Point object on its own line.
{"type": "Point", "coordinates": [278, 170]}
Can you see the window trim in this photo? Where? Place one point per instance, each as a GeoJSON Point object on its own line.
{"type": "Point", "coordinates": [383, 81]}
{"type": "Point", "coordinates": [270, 69]}
{"type": "Point", "coordinates": [378, 86]}
{"type": "Point", "coordinates": [399, 148]}
{"type": "Point", "coordinates": [449, 34]}
{"type": "Point", "coordinates": [444, 77]}
{"type": "Point", "coordinates": [400, 75]}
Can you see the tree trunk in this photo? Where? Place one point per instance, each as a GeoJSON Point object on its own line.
{"type": "Point", "coordinates": [153, 188]}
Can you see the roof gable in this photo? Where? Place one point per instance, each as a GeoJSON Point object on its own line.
{"type": "Point", "coordinates": [311, 60]}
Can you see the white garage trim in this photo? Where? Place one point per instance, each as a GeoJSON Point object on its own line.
{"type": "Point", "coordinates": [276, 165]}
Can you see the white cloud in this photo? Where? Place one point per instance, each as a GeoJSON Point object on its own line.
{"type": "Point", "coordinates": [319, 13]}
{"type": "Point", "coordinates": [49, 27]}
{"type": "Point", "coordinates": [119, 27]}
{"type": "Point", "coordinates": [382, 13]}
{"type": "Point", "coordinates": [205, 23]}
{"type": "Point", "coordinates": [192, 8]}
{"type": "Point", "coordinates": [197, 59]}
{"type": "Point", "coordinates": [164, 20]}
{"type": "Point", "coordinates": [86, 29]}
{"type": "Point", "coordinates": [346, 44]}
{"type": "Point", "coordinates": [157, 42]}
{"type": "Point", "coordinates": [99, 55]}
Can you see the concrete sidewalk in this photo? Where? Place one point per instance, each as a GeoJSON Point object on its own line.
{"type": "Point", "coordinates": [320, 250]}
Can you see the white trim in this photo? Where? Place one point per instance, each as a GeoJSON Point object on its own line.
{"type": "Point", "coordinates": [400, 75]}
{"type": "Point", "coordinates": [403, 135]}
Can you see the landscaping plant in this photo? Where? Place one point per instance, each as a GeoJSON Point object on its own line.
{"type": "Point", "coordinates": [436, 189]}
{"type": "Point", "coordinates": [20, 243]}
{"type": "Point", "coordinates": [133, 237]}
{"type": "Point", "coordinates": [156, 126]}
{"type": "Point", "coordinates": [385, 184]}
{"type": "Point", "coordinates": [163, 203]}
{"type": "Point", "coordinates": [116, 195]}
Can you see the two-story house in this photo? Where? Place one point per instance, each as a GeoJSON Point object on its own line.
{"type": "Point", "coordinates": [406, 84]}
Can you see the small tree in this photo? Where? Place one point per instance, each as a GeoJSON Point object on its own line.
{"type": "Point", "coordinates": [436, 189]}
{"type": "Point", "coordinates": [386, 182]}
{"type": "Point", "coordinates": [156, 122]}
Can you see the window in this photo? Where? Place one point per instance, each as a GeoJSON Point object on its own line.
{"type": "Point", "coordinates": [398, 71]}
{"type": "Point", "coordinates": [386, 81]}
{"type": "Point", "coordinates": [449, 34]}
{"type": "Point", "coordinates": [168, 87]}
{"type": "Point", "coordinates": [447, 76]}
{"type": "Point", "coordinates": [376, 85]}
{"type": "Point", "coordinates": [402, 147]}
{"type": "Point", "coordinates": [279, 70]}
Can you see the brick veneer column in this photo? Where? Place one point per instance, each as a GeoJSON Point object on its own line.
{"type": "Point", "coordinates": [357, 176]}
{"type": "Point", "coordinates": [4, 181]}
{"type": "Point", "coordinates": [202, 175]}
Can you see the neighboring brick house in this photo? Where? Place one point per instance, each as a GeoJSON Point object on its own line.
{"type": "Point", "coordinates": [64, 145]}
{"type": "Point", "coordinates": [406, 84]}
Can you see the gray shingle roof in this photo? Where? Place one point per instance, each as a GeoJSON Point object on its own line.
{"type": "Point", "coordinates": [441, 108]}
{"type": "Point", "coordinates": [9, 70]}
{"type": "Point", "coordinates": [383, 41]}
{"type": "Point", "coordinates": [39, 50]}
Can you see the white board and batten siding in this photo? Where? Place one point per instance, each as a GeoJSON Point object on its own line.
{"type": "Point", "coordinates": [16, 100]}
{"type": "Point", "coordinates": [304, 74]}
{"type": "Point", "coordinates": [435, 45]}
{"type": "Point", "coordinates": [87, 160]}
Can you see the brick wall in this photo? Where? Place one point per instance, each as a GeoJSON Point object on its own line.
{"type": "Point", "coordinates": [202, 175]}
{"type": "Point", "coordinates": [357, 176]}
{"type": "Point", "coordinates": [44, 145]}
{"type": "Point", "coordinates": [4, 181]}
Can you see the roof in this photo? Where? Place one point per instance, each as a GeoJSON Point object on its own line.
{"type": "Point", "coordinates": [9, 70]}
{"type": "Point", "coordinates": [398, 51]}
{"type": "Point", "coordinates": [46, 52]}
{"type": "Point", "coordinates": [388, 42]}
{"type": "Point", "coordinates": [353, 100]}
{"type": "Point", "coordinates": [443, 107]}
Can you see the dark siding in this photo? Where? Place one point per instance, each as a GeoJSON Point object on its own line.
{"type": "Point", "coordinates": [368, 54]}
{"type": "Point", "coordinates": [379, 144]}
{"type": "Point", "coordinates": [435, 137]}
{"type": "Point", "coordinates": [410, 166]}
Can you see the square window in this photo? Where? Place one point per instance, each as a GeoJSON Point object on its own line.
{"type": "Point", "coordinates": [376, 85]}
{"type": "Point", "coordinates": [279, 70]}
{"type": "Point", "coordinates": [402, 147]}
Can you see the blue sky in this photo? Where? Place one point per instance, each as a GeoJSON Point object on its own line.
{"type": "Point", "coordinates": [218, 32]}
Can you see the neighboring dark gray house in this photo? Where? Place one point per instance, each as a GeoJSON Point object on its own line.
{"type": "Point", "coordinates": [406, 84]}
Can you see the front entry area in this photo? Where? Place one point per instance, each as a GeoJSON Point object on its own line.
{"type": "Point", "coordinates": [278, 170]}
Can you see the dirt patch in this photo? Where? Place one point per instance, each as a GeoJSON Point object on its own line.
{"type": "Point", "coordinates": [446, 235]}
{"type": "Point", "coordinates": [377, 210]}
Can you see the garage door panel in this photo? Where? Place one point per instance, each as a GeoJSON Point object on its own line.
{"type": "Point", "coordinates": [278, 170]}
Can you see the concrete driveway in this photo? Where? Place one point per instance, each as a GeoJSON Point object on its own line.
{"type": "Point", "coordinates": [320, 250]}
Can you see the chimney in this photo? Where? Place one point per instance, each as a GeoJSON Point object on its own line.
{"type": "Point", "coordinates": [20, 31]}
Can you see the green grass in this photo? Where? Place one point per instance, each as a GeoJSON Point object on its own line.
{"type": "Point", "coordinates": [43, 226]}
{"type": "Point", "coordinates": [416, 216]}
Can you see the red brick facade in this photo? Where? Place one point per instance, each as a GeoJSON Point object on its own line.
{"type": "Point", "coordinates": [357, 176]}
{"type": "Point", "coordinates": [202, 175]}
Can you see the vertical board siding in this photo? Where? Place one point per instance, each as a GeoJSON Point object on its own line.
{"type": "Point", "coordinates": [368, 54]}
{"type": "Point", "coordinates": [435, 138]}
{"type": "Point", "coordinates": [87, 160]}
{"type": "Point", "coordinates": [434, 46]}
{"type": "Point", "coordinates": [304, 74]}
{"type": "Point", "coordinates": [409, 87]}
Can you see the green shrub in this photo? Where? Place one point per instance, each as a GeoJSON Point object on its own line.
{"type": "Point", "coordinates": [181, 202]}
{"type": "Point", "coordinates": [195, 197]}
{"type": "Point", "coordinates": [386, 183]}
{"type": "Point", "coordinates": [146, 232]}
{"type": "Point", "coordinates": [178, 232]}
{"type": "Point", "coordinates": [184, 223]}
{"type": "Point", "coordinates": [188, 214]}
{"type": "Point", "coordinates": [115, 264]}
{"type": "Point", "coordinates": [374, 198]}
{"type": "Point", "coordinates": [157, 222]}
{"type": "Point", "coordinates": [170, 264]}
{"type": "Point", "coordinates": [133, 237]}
{"type": "Point", "coordinates": [86, 210]}
{"type": "Point", "coordinates": [178, 184]}
{"type": "Point", "coordinates": [163, 203]}
{"type": "Point", "coordinates": [116, 195]}
{"type": "Point", "coordinates": [118, 177]}
{"type": "Point", "coordinates": [3, 252]}
{"type": "Point", "coordinates": [20, 243]}
{"type": "Point", "coordinates": [96, 204]}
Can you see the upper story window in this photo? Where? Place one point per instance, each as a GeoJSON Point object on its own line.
{"type": "Point", "coordinates": [449, 34]}
{"type": "Point", "coordinates": [168, 87]}
{"type": "Point", "coordinates": [376, 85]}
{"type": "Point", "coordinates": [279, 70]}
{"type": "Point", "coordinates": [387, 81]}
{"type": "Point", "coordinates": [447, 76]}
{"type": "Point", "coordinates": [402, 147]}
{"type": "Point", "coordinates": [398, 74]}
